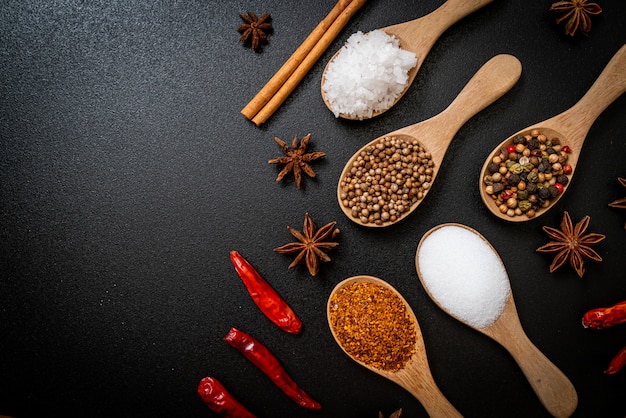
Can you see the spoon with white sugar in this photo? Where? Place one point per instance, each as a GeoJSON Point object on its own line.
{"type": "Point", "coordinates": [570, 128]}
{"type": "Point", "coordinates": [375, 326]}
{"type": "Point", "coordinates": [415, 36]}
{"type": "Point", "coordinates": [364, 192]}
{"type": "Point", "coordinates": [475, 289]}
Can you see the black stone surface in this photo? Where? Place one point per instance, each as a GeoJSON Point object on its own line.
{"type": "Point", "coordinates": [127, 174]}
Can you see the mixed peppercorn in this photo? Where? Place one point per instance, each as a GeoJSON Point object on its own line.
{"type": "Point", "coordinates": [528, 175]}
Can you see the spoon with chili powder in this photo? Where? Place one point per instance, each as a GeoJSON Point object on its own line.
{"type": "Point", "coordinates": [383, 335]}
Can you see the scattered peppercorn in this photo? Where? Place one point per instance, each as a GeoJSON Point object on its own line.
{"type": "Point", "coordinates": [529, 175]}
{"type": "Point", "coordinates": [372, 324]}
{"type": "Point", "coordinates": [387, 179]}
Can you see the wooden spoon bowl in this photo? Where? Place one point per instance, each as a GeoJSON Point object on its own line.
{"type": "Point", "coordinates": [418, 36]}
{"type": "Point", "coordinates": [490, 82]}
{"type": "Point", "coordinates": [415, 375]}
{"type": "Point", "coordinates": [553, 388]}
{"type": "Point", "coordinates": [570, 127]}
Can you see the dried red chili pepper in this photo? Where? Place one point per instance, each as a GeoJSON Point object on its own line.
{"type": "Point", "coordinates": [263, 358]}
{"type": "Point", "coordinates": [617, 362]}
{"type": "Point", "coordinates": [601, 318]}
{"type": "Point", "coordinates": [265, 297]}
{"type": "Point", "coordinates": [220, 401]}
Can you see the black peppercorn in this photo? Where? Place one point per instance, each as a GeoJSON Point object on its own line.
{"type": "Point", "coordinates": [531, 187]}
{"type": "Point", "coordinates": [544, 193]}
{"type": "Point", "coordinates": [554, 192]}
{"type": "Point", "coordinates": [497, 187]}
{"type": "Point", "coordinates": [493, 168]}
{"type": "Point", "coordinates": [544, 166]}
{"type": "Point", "coordinates": [562, 179]}
{"type": "Point", "coordinates": [532, 143]}
{"type": "Point", "coordinates": [514, 179]}
{"type": "Point", "coordinates": [519, 139]}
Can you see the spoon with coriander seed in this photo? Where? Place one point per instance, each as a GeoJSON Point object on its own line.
{"type": "Point", "coordinates": [375, 326]}
{"type": "Point", "coordinates": [358, 84]}
{"type": "Point", "coordinates": [366, 193]}
{"type": "Point", "coordinates": [527, 173]}
{"type": "Point", "coordinates": [475, 289]}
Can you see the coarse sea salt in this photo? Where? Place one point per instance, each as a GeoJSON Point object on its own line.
{"type": "Point", "coordinates": [367, 75]}
{"type": "Point", "coordinates": [464, 275]}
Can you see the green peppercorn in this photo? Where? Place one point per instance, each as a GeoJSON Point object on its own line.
{"type": "Point", "coordinates": [524, 205]}
{"type": "Point", "coordinates": [533, 177]}
{"type": "Point", "coordinates": [516, 168]}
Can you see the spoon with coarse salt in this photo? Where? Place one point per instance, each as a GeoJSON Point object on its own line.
{"type": "Point", "coordinates": [373, 193]}
{"type": "Point", "coordinates": [569, 128]}
{"type": "Point", "coordinates": [475, 289]}
{"type": "Point", "coordinates": [375, 326]}
{"type": "Point", "coordinates": [415, 37]}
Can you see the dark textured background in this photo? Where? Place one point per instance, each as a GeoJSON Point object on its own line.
{"type": "Point", "coordinates": [127, 174]}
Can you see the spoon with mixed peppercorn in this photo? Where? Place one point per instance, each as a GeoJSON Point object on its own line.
{"type": "Point", "coordinates": [526, 174]}
{"type": "Point", "coordinates": [375, 326]}
{"type": "Point", "coordinates": [386, 180]}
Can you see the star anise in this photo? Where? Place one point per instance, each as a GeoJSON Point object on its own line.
{"type": "Point", "coordinates": [312, 245]}
{"type": "Point", "coordinates": [576, 13]}
{"type": "Point", "coordinates": [396, 414]}
{"type": "Point", "coordinates": [254, 30]}
{"type": "Point", "coordinates": [620, 203]}
{"type": "Point", "coordinates": [571, 244]}
{"type": "Point", "coordinates": [296, 159]}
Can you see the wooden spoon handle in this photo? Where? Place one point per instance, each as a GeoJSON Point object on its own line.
{"type": "Point", "coordinates": [418, 380]}
{"type": "Point", "coordinates": [420, 34]}
{"type": "Point", "coordinates": [554, 389]}
{"type": "Point", "coordinates": [452, 11]}
{"type": "Point", "coordinates": [609, 85]}
{"type": "Point", "coordinates": [490, 82]}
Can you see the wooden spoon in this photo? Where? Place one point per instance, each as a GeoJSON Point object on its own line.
{"type": "Point", "coordinates": [419, 35]}
{"type": "Point", "coordinates": [555, 391]}
{"type": "Point", "coordinates": [415, 376]}
{"type": "Point", "coordinates": [491, 81]}
{"type": "Point", "coordinates": [571, 126]}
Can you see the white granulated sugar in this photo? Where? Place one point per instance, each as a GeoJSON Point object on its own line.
{"type": "Point", "coordinates": [367, 75]}
{"type": "Point", "coordinates": [464, 275]}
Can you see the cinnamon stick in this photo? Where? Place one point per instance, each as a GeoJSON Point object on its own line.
{"type": "Point", "coordinates": [293, 62]}
{"type": "Point", "coordinates": [269, 99]}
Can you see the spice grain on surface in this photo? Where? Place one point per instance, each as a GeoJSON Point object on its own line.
{"type": "Point", "coordinates": [373, 325]}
